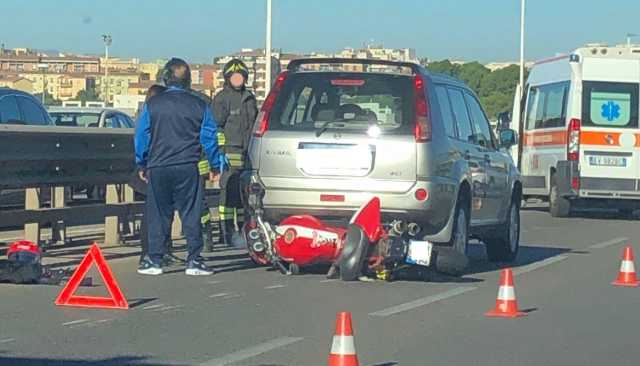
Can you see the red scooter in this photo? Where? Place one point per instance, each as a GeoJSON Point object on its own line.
{"type": "Point", "coordinates": [364, 249]}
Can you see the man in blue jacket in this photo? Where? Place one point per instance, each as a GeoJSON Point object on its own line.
{"type": "Point", "coordinates": [171, 132]}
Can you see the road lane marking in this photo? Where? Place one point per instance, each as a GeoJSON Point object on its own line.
{"type": "Point", "coordinates": [165, 308]}
{"type": "Point", "coordinates": [8, 340]}
{"type": "Point", "coordinates": [251, 352]}
{"type": "Point", "coordinates": [422, 302]}
{"type": "Point", "coordinates": [222, 294]}
{"type": "Point", "coordinates": [153, 306]}
{"type": "Point", "coordinates": [274, 287]}
{"type": "Point", "coordinates": [537, 265]}
{"type": "Point", "coordinates": [608, 243]}
{"type": "Point", "coordinates": [214, 282]}
{"type": "Point", "coordinates": [79, 321]}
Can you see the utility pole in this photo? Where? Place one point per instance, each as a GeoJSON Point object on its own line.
{"type": "Point", "coordinates": [516, 120]}
{"type": "Point", "coordinates": [106, 38]}
{"type": "Point", "coordinates": [267, 54]}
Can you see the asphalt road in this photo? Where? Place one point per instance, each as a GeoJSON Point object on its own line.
{"type": "Point", "coordinates": [250, 316]}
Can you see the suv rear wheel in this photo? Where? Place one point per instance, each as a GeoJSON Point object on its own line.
{"type": "Point", "coordinates": [558, 205]}
{"type": "Point", "coordinates": [452, 258]}
{"type": "Point", "coordinates": [504, 246]}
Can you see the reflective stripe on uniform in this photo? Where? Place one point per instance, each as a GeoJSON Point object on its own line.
{"type": "Point", "coordinates": [222, 140]}
{"type": "Point", "coordinates": [205, 218]}
{"type": "Point", "coordinates": [203, 167]}
{"type": "Point", "coordinates": [226, 213]}
{"type": "Point", "coordinates": [235, 159]}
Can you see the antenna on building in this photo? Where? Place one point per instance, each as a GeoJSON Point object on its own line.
{"type": "Point", "coordinates": [629, 36]}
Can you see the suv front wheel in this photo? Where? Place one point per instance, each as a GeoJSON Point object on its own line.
{"type": "Point", "coordinates": [504, 246]}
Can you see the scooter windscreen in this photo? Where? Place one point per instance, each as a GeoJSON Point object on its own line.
{"type": "Point", "coordinates": [353, 255]}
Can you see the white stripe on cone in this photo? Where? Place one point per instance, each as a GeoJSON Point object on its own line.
{"type": "Point", "coordinates": [506, 293]}
{"type": "Point", "coordinates": [627, 267]}
{"type": "Point", "coordinates": [343, 345]}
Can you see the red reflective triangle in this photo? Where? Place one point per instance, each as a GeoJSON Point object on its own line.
{"type": "Point", "coordinates": [116, 301]}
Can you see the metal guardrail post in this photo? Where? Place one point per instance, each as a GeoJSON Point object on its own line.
{"type": "Point", "coordinates": [111, 232]}
{"type": "Point", "coordinates": [176, 228]}
{"type": "Point", "coordinates": [58, 227]}
{"type": "Point", "coordinates": [32, 202]}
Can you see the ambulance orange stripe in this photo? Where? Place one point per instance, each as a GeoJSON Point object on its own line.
{"type": "Point", "coordinates": [600, 138]}
{"type": "Point", "coordinates": [545, 138]}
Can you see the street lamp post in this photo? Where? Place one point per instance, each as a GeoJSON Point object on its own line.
{"type": "Point", "coordinates": [43, 67]}
{"type": "Point", "coordinates": [106, 38]}
{"type": "Point", "coordinates": [267, 56]}
{"type": "Point", "coordinates": [516, 120]}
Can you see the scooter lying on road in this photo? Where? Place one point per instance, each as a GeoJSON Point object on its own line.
{"type": "Point", "coordinates": [365, 249]}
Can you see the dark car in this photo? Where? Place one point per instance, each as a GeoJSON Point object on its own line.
{"type": "Point", "coordinates": [20, 108]}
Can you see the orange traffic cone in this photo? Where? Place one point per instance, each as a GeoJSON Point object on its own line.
{"type": "Point", "coordinates": [627, 275]}
{"type": "Point", "coordinates": [343, 348]}
{"type": "Point", "coordinates": [506, 304]}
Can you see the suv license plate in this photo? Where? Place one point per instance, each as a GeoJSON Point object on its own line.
{"type": "Point", "coordinates": [607, 161]}
{"type": "Point", "coordinates": [419, 253]}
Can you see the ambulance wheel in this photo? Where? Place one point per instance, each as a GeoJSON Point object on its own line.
{"type": "Point", "coordinates": [504, 246]}
{"type": "Point", "coordinates": [558, 205]}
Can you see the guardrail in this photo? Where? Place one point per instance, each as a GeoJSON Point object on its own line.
{"type": "Point", "coordinates": [48, 159]}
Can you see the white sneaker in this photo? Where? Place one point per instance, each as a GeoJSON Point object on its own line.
{"type": "Point", "coordinates": [197, 268]}
{"type": "Point", "coordinates": [147, 267]}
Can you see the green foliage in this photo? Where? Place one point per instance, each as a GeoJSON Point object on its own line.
{"type": "Point", "coordinates": [48, 99]}
{"type": "Point", "coordinates": [495, 89]}
{"type": "Point", "coordinates": [87, 95]}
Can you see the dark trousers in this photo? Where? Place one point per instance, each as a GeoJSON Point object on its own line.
{"type": "Point", "coordinates": [175, 187]}
{"type": "Point", "coordinates": [230, 207]}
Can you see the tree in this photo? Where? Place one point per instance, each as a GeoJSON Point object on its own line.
{"type": "Point", "coordinates": [48, 99]}
{"type": "Point", "coordinates": [87, 95]}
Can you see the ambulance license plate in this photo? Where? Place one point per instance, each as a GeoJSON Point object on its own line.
{"type": "Point", "coordinates": [419, 253]}
{"type": "Point", "coordinates": [608, 161]}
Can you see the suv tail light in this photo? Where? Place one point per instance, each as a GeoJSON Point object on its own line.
{"type": "Point", "coordinates": [573, 140]}
{"type": "Point", "coordinates": [262, 121]}
{"type": "Point", "coordinates": [423, 122]}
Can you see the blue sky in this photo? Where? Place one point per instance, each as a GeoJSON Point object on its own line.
{"type": "Point", "coordinates": [200, 29]}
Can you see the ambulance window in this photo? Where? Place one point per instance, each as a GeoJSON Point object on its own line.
{"type": "Point", "coordinates": [535, 108]}
{"type": "Point", "coordinates": [554, 104]}
{"type": "Point", "coordinates": [607, 104]}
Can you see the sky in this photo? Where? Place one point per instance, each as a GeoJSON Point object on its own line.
{"type": "Point", "coordinates": [198, 30]}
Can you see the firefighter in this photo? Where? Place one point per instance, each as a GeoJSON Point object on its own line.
{"type": "Point", "coordinates": [235, 110]}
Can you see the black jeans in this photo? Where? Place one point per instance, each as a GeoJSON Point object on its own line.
{"type": "Point", "coordinates": [175, 187]}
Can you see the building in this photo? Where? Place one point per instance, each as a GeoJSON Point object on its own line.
{"type": "Point", "coordinates": [150, 70]}
{"type": "Point", "coordinates": [60, 86]}
{"type": "Point", "coordinates": [493, 66]}
{"type": "Point", "coordinates": [16, 82]}
{"type": "Point", "coordinates": [55, 64]}
{"type": "Point", "coordinates": [141, 87]}
{"type": "Point", "coordinates": [118, 83]}
{"type": "Point", "coordinates": [120, 64]}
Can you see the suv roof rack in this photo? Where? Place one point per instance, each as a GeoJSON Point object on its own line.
{"type": "Point", "coordinates": [294, 65]}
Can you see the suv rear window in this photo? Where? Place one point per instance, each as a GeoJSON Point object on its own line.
{"type": "Point", "coordinates": [608, 104]}
{"type": "Point", "coordinates": [349, 102]}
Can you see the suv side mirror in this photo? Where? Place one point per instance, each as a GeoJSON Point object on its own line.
{"type": "Point", "coordinates": [507, 138]}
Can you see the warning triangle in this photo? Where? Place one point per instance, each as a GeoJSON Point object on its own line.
{"type": "Point", "coordinates": [67, 297]}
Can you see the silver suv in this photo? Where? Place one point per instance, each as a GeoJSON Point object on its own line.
{"type": "Point", "coordinates": [334, 132]}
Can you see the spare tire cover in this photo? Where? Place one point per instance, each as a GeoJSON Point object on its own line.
{"type": "Point", "coordinates": [353, 253]}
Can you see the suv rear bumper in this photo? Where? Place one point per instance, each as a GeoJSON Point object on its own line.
{"type": "Point", "coordinates": [433, 215]}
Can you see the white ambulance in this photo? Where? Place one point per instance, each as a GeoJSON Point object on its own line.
{"type": "Point", "coordinates": [579, 136]}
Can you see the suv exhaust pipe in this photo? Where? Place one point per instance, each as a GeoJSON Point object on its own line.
{"type": "Point", "coordinates": [413, 229]}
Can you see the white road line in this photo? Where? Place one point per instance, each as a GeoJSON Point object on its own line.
{"type": "Point", "coordinates": [608, 243]}
{"type": "Point", "coordinates": [422, 302]}
{"type": "Point", "coordinates": [222, 294]}
{"type": "Point", "coordinates": [251, 352]}
{"type": "Point", "coordinates": [166, 308]}
{"type": "Point", "coordinates": [327, 281]}
{"type": "Point", "coordinates": [537, 265]}
{"type": "Point", "coordinates": [153, 307]}
{"type": "Point", "coordinates": [79, 321]}
{"type": "Point", "coordinates": [7, 340]}
{"type": "Point", "coordinates": [214, 282]}
{"type": "Point", "coordinates": [274, 287]}
{"type": "Point", "coordinates": [232, 296]}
